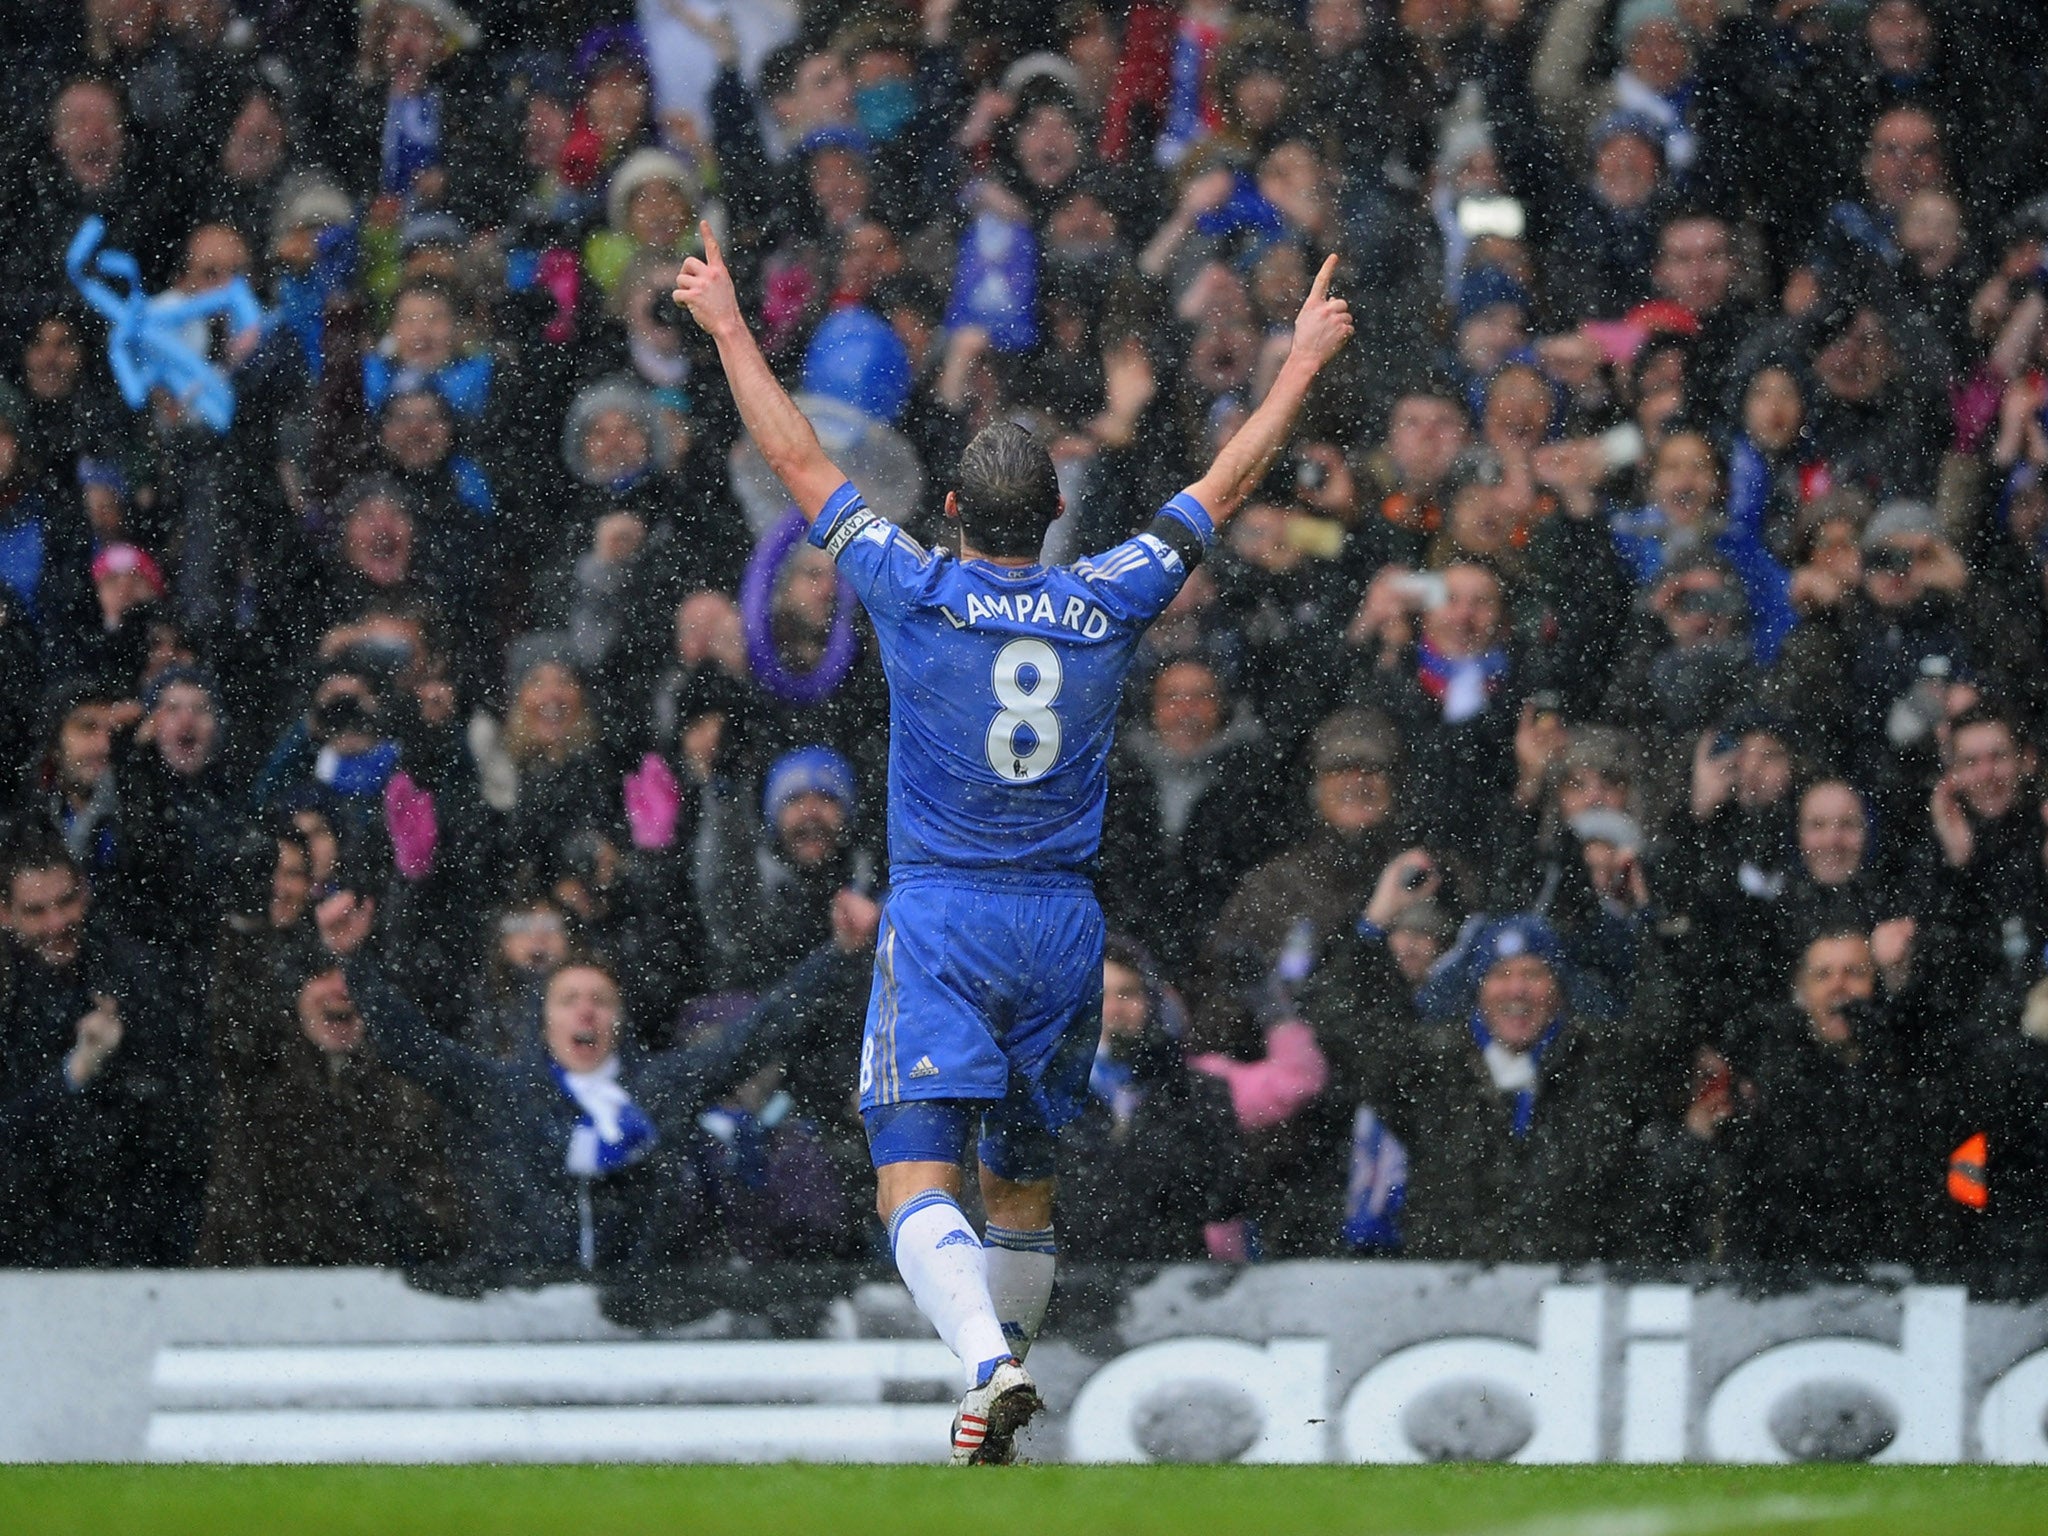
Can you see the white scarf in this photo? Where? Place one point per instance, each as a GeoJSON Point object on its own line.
{"type": "Point", "coordinates": [605, 1105]}
{"type": "Point", "coordinates": [1511, 1071]}
{"type": "Point", "coordinates": [1680, 147]}
{"type": "Point", "coordinates": [1464, 689]}
{"type": "Point", "coordinates": [664, 370]}
{"type": "Point", "coordinates": [598, 1094]}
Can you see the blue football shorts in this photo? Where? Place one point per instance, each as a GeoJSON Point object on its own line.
{"type": "Point", "coordinates": [985, 991]}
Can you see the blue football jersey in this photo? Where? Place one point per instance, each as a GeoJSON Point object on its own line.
{"type": "Point", "coordinates": [1003, 684]}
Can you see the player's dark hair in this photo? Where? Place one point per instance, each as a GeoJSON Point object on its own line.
{"type": "Point", "coordinates": [1008, 492]}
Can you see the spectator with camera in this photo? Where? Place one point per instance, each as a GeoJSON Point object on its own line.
{"type": "Point", "coordinates": [1155, 1159]}
{"type": "Point", "coordinates": [1687, 661]}
{"type": "Point", "coordinates": [340, 754]}
{"type": "Point", "coordinates": [1872, 667]}
{"type": "Point", "coordinates": [1729, 852]}
{"type": "Point", "coordinates": [770, 902]}
{"type": "Point", "coordinates": [1831, 1067]}
{"type": "Point", "coordinates": [1433, 652]}
{"type": "Point", "coordinates": [1686, 512]}
{"type": "Point", "coordinates": [321, 1154]}
{"type": "Point", "coordinates": [1288, 603]}
{"type": "Point", "coordinates": [1563, 771]}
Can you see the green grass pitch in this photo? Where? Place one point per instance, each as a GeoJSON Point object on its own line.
{"type": "Point", "coordinates": [1055, 1501]}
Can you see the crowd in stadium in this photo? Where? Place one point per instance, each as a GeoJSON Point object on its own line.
{"type": "Point", "coordinates": [1589, 807]}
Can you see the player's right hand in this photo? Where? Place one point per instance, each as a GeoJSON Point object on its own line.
{"type": "Point", "coordinates": [1324, 324]}
{"type": "Point", "coordinates": [704, 286]}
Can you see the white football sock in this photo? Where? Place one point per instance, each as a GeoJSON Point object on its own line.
{"type": "Point", "coordinates": [941, 1261]}
{"type": "Point", "coordinates": [1020, 1266]}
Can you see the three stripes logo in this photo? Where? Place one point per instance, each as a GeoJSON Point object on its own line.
{"type": "Point", "coordinates": [1119, 561]}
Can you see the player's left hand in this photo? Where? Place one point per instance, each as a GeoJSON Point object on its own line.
{"type": "Point", "coordinates": [704, 287]}
{"type": "Point", "coordinates": [1324, 324]}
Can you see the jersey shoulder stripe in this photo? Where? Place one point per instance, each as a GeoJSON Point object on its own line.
{"type": "Point", "coordinates": [1108, 567]}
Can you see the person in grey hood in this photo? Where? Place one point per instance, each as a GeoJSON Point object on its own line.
{"type": "Point", "coordinates": [648, 522]}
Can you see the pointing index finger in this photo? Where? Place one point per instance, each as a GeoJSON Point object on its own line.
{"type": "Point", "coordinates": [1321, 287]}
{"type": "Point", "coordinates": [712, 255]}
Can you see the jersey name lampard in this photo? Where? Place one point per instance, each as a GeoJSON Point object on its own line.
{"type": "Point", "coordinates": [1004, 685]}
{"type": "Point", "coordinates": [1028, 608]}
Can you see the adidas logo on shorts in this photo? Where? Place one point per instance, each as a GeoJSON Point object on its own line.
{"type": "Point", "coordinates": [924, 1068]}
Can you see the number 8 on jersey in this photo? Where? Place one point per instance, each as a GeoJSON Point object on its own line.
{"type": "Point", "coordinates": [1024, 738]}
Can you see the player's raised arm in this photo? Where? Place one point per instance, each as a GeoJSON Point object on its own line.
{"type": "Point", "coordinates": [704, 288]}
{"type": "Point", "coordinates": [1320, 331]}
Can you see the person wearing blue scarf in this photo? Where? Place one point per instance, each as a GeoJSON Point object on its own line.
{"type": "Point", "coordinates": [1514, 972]}
{"type": "Point", "coordinates": [339, 754]}
{"type": "Point", "coordinates": [464, 382]}
{"type": "Point", "coordinates": [1446, 673]}
{"type": "Point", "coordinates": [1686, 511]}
{"type": "Point", "coordinates": [1518, 1114]}
{"type": "Point", "coordinates": [1514, 1070]}
{"type": "Point", "coordinates": [419, 351]}
{"type": "Point", "coordinates": [579, 1148]}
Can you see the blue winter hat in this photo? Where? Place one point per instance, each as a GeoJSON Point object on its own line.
{"type": "Point", "coordinates": [176, 676]}
{"type": "Point", "coordinates": [1487, 288]}
{"type": "Point", "coordinates": [105, 473]}
{"type": "Point", "coordinates": [835, 136]}
{"type": "Point", "coordinates": [1452, 990]}
{"type": "Point", "coordinates": [806, 771]}
{"type": "Point", "coordinates": [857, 357]}
{"type": "Point", "coordinates": [1512, 937]}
